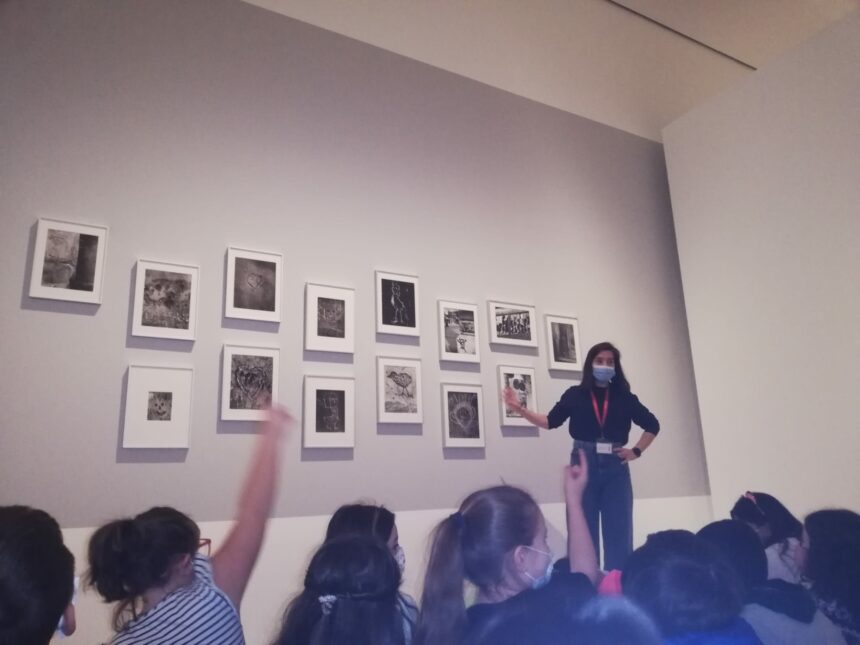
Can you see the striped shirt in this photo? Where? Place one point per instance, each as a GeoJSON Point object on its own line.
{"type": "Point", "coordinates": [197, 614]}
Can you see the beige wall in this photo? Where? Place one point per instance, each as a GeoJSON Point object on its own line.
{"type": "Point", "coordinates": [187, 127]}
{"type": "Point", "coordinates": [765, 190]}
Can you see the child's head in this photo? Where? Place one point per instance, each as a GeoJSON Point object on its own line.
{"type": "Point", "coordinates": [738, 543]}
{"type": "Point", "coordinates": [350, 596]}
{"type": "Point", "coordinates": [497, 540]}
{"type": "Point", "coordinates": [683, 583]}
{"type": "Point", "coordinates": [369, 520]}
{"type": "Point", "coordinates": [130, 556]}
{"type": "Point", "coordinates": [36, 577]}
{"type": "Point", "coordinates": [832, 538]}
{"type": "Point", "coordinates": [770, 519]}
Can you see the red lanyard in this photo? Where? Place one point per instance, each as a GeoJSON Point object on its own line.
{"type": "Point", "coordinates": [601, 418]}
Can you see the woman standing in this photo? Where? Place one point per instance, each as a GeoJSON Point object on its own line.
{"type": "Point", "coordinates": [601, 410]}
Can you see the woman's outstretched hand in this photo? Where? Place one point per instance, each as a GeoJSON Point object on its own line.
{"type": "Point", "coordinates": [512, 401]}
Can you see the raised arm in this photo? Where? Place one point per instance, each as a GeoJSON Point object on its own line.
{"type": "Point", "coordinates": [580, 548]}
{"type": "Point", "coordinates": [512, 402]}
{"type": "Point", "coordinates": [233, 563]}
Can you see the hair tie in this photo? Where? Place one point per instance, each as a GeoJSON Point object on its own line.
{"type": "Point", "coordinates": [458, 519]}
{"type": "Point", "coordinates": [327, 602]}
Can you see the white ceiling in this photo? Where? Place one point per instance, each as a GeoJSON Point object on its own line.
{"type": "Point", "coordinates": [589, 57]}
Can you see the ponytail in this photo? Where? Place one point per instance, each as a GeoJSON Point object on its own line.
{"type": "Point", "coordinates": [442, 620]}
{"type": "Point", "coordinates": [127, 557]}
{"type": "Point", "coordinates": [471, 545]}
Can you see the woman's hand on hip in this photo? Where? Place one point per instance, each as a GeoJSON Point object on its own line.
{"type": "Point", "coordinates": [625, 455]}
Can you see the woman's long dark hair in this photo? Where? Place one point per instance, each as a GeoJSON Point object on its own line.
{"type": "Point", "coordinates": [350, 597]}
{"type": "Point", "coordinates": [471, 545]}
{"type": "Point", "coordinates": [129, 556]}
{"type": "Point", "coordinates": [833, 561]}
{"type": "Point", "coordinates": [619, 381]}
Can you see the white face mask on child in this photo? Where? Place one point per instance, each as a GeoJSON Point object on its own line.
{"type": "Point", "coordinates": [400, 558]}
{"type": "Point", "coordinates": [542, 580]}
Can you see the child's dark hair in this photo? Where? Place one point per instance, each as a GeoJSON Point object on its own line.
{"type": "Point", "coordinates": [349, 598]}
{"type": "Point", "coordinates": [129, 556]}
{"type": "Point", "coordinates": [683, 583]}
{"type": "Point", "coordinates": [361, 519]}
{"type": "Point", "coordinates": [614, 619]}
{"type": "Point", "coordinates": [471, 545]}
{"type": "Point", "coordinates": [762, 510]}
{"type": "Point", "coordinates": [36, 575]}
{"type": "Point", "coordinates": [833, 560]}
{"type": "Point", "coordinates": [742, 549]}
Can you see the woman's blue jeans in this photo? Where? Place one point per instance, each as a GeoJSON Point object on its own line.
{"type": "Point", "coordinates": [608, 503]}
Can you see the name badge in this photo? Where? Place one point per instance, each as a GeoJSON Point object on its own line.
{"type": "Point", "coordinates": [604, 448]}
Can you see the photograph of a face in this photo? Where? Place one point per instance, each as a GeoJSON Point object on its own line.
{"type": "Point", "coordinates": [253, 285]}
{"type": "Point", "coordinates": [396, 304]}
{"type": "Point", "coordinates": [562, 334]}
{"type": "Point", "coordinates": [68, 261]}
{"type": "Point", "coordinates": [458, 332]}
{"type": "Point", "coordinates": [165, 300]}
{"type": "Point", "coordinates": [329, 318]}
{"type": "Point", "coordinates": [512, 324]}
{"type": "Point", "coordinates": [462, 415]}
{"type": "Point", "coordinates": [249, 382]}
{"type": "Point", "coordinates": [522, 381]}
{"type": "Point", "coordinates": [160, 406]}
{"type": "Point", "coordinates": [329, 412]}
{"type": "Point", "coordinates": [157, 407]}
{"type": "Point", "coordinates": [399, 390]}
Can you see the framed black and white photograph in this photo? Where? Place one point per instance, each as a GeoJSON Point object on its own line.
{"type": "Point", "coordinates": [165, 300]}
{"type": "Point", "coordinates": [398, 390]}
{"type": "Point", "coordinates": [522, 381]}
{"type": "Point", "coordinates": [512, 324]}
{"type": "Point", "coordinates": [329, 412]}
{"type": "Point", "coordinates": [249, 382]}
{"type": "Point", "coordinates": [253, 288]}
{"type": "Point", "coordinates": [68, 261]}
{"type": "Point", "coordinates": [458, 332]}
{"type": "Point", "coordinates": [562, 336]}
{"type": "Point", "coordinates": [397, 304]}
{"type": "Point", "coordinates": [329, 318]}
{"type": "Point", "coordinates": [462, 416]}
{"type": "Point", "coordinates": [157, 407]}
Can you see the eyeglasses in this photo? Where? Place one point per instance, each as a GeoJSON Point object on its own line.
{"type": "Point", "coordinates": [205, 546]}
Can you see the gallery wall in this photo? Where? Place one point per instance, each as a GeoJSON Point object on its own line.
{"type": "Point", "coordinates": [765, 190]}
{"type": "Point", "coordinates": [188, 127]}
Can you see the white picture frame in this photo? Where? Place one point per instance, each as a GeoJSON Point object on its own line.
{"type": "Point", "coordinates": [249, 381]}
{"type": "Point", "coordinates": [512, 324]}
{"type": "Point", "coordinates": [463, 415]}
{"type": "Point", "coordinates": [165, 300]}
{"type": "Point", "coordinates": [329, 412]}
{"type": "Point", "coordinates": [563, 346]}
{"type": "Point", "coordinates": [522, 380]}
{"type": "Point", "coordinates": [398, 390]}
{"type": "Point", "coordinates": [253, 287]}
{"type": "Point", "coordinates": [68, 261]}
{"type": "Point", "coordinates": [459, 338]}
{"type": "Point", "coordinates": [329, 318]}
{"type": "Point", "coordinates": [157, 406]}
{"type": "Point", "coordinates": [397, 304]}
